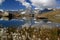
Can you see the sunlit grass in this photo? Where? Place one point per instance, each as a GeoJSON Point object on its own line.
{"type": "Point", "coordinates": [52, 16]}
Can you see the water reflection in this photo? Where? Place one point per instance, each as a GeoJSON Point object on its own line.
{"type": "Point", "coordinates": [30, 21]}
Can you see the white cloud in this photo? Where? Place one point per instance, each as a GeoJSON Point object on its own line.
{"type": "Point", "coordinates": [43, 3]}
{"type": "Point", "coordinates": [21, 1]}
{"type": "Point", "coordinates": [1, 1]}
{"type": "Point", "coordinates": [26, 4]}
{"type": "Point", "coordinates": [1, 10]}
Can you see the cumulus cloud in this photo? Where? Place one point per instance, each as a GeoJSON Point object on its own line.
{"type": "Point", "coordinates": [24, 3]}
{"type": "Point", "coordinates": [43, 3]}
{"type": "Point", "coordinates": [1, 1]}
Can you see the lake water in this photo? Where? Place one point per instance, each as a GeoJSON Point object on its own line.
{"type": "Point", "coordinates": [15, 22]}
{"type": "Point", "coordinates": [20, 22]}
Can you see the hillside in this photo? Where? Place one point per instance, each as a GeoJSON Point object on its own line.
{"type": "Point", "coordinates": [53, 15]}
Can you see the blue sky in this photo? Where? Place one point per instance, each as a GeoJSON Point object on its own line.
{"type": "Point", "coordinates": [11, 4]}
{"type": "Point", "coordinates": [15, 5]}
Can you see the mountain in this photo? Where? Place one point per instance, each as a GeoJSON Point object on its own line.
{"type": "Point", "coordinates": [46, 10]}
{"type": "Point", "coordinates": [43, 10]}
{"type": "Point", "coordinates": [52, 15]}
